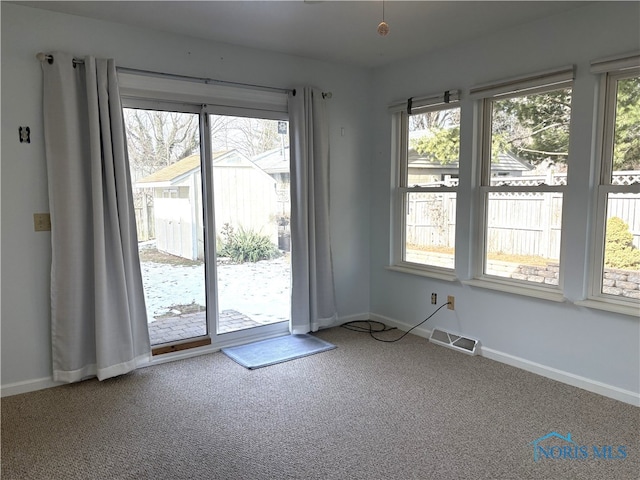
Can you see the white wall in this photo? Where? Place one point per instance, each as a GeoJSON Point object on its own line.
{"type": "Point", "coordinates": [26, 254]}
{"type": "Point", "coordinates": [604, 348]}
{"type": "Point", "coordinates": [578, 342]}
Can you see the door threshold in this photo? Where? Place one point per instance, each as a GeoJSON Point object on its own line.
{"type": "Point", "coordinates": [176, 347]}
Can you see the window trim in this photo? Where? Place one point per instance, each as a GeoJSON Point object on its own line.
{"type": "Point", "coordinates": [400, 140]}
{"type": "Point", "coordinates": [610, 73]}
{"type": "Point", "coordinates": [517, 288]}
{"type": "Point", "coordinates": [541, 82]}
{"type": "Point", "coordinates": [220, 99]}
{"type": "Point", "coordinates": [616, 63]}
{"type": "Point", "coordinates": [516, 86]}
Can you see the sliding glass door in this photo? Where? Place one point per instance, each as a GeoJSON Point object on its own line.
{"type": "Point", "coordinates": [212, 210]}
{"type": "Point", "coordinates": [250, 165]}
{"type": "Point", "coordinates": [164, 159]}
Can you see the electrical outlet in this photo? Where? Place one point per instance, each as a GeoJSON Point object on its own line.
{"type": "Point", "coordinates": [434, 298]}
{"type": "Point", "coordinates": [41, 222]}
{"type": "Point", "coordinates": [451, 301]}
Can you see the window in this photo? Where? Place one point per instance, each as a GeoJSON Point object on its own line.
{"type": "Point", "coordinates": [428, 152]}
{"type": "Point", "coordinates": [523, 171]}
{"type": "Point", "coordinates": [616, 266]}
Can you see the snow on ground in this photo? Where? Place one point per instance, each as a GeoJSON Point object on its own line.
{"type": "Point", "coordinates": [261, 290]}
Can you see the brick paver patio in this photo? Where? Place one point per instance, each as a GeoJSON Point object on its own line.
{"type": "Point", "coordinates": [194, 325]}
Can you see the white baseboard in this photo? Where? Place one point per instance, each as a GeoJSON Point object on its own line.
{"type": "Point", "coordinates": [578, 381]}
{"type": "Point", "coordinates": [419, 331]}
{"type": "Point", "coordinates": [28, 386]}
{"type": "Point", "coordinates": [568, 378]}
{"type": "Point", "coordinates": [585, 383]}
{"type": "Point", "coordinates": [353, 318]}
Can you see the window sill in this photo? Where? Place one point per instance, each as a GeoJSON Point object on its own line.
{"type": "Point", "coordinates": [601, 304]}
{"type": "Point", "coordinates": [507, 287]}
{"type": "Point", "coordinates": [440, 275]}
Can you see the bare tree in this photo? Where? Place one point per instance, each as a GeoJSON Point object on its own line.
{"type": "Point", "coordinates": [249, 136]}
{"type": "Point", "coordinates": [156, 139]}
{"type": "Point", "coordinates": [434, 120]}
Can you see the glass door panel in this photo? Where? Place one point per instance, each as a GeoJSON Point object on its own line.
{"type": "Point", "coordinates": [250, 171]}
{"type": "Point", "coordinates": [164, 156]}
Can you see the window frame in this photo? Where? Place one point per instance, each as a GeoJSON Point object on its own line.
{"type": "Point", "coordinates": [484, 95]}
{"type": "Point", "coordinates": [611, 74]}
{"type": "Point", "coordinates": [400, 143]}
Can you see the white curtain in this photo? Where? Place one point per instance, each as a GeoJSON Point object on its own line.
{"type": "Point", "coordinates": [313, 303]}
{"type": "Point", "coordinates": [98, 315]}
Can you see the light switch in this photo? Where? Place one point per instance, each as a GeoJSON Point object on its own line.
{"type": "Point", "coordinates": [41, 222]}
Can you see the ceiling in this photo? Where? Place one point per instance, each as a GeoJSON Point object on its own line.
{"type": "Point", "coordinates": [336, 31]}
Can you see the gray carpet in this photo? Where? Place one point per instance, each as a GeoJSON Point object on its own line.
{"type": "Point", "coordinates": [366, 410]}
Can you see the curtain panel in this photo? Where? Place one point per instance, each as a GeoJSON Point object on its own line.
{"type": "Point", "coordinates": [313, 303]}
{"type": "Point", "coordinates": [98, 315]}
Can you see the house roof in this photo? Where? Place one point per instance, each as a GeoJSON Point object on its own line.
{"type": "Point", "coordinates": [176, 171]}
{"type": "Point", "coordinates": [173, 171]}
{"type": "Point", "coordinates": [507, 162]}
{"type": "Point", "coordinates": [231, 158]}
{"type": "Point", "coordinates": [273, 161]}
{"type": "Point", "coordinates": [235, 159]}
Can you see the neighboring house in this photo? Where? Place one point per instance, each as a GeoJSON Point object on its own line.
{"type": "Point", "coordinates": [423, 170]}
{"type": "Point", "coordinates": [245, 197]}
{"type": "Point", "coordinates": [276, 163]}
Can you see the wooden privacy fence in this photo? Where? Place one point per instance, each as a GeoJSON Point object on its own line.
{"type": "Point", "coordinates": [524, 224]}
{"type": "Point", "coordinates": [429, 219]}
{"type": "Point", "coordinates": [518, 223]}
{"type": "Point", "coordinates": [143, 206]}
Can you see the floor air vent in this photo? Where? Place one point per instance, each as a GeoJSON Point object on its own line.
{"type": "Point", "coordinates": [456, 342]}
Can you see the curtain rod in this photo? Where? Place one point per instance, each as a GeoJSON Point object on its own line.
{"type": "Point", "coordinates": [49, 58]}
{"type": "Point", "coordinates": [78, 61]}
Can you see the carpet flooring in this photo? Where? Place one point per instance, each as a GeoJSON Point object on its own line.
{"type": "Point", "coordinates": [366, 410]}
